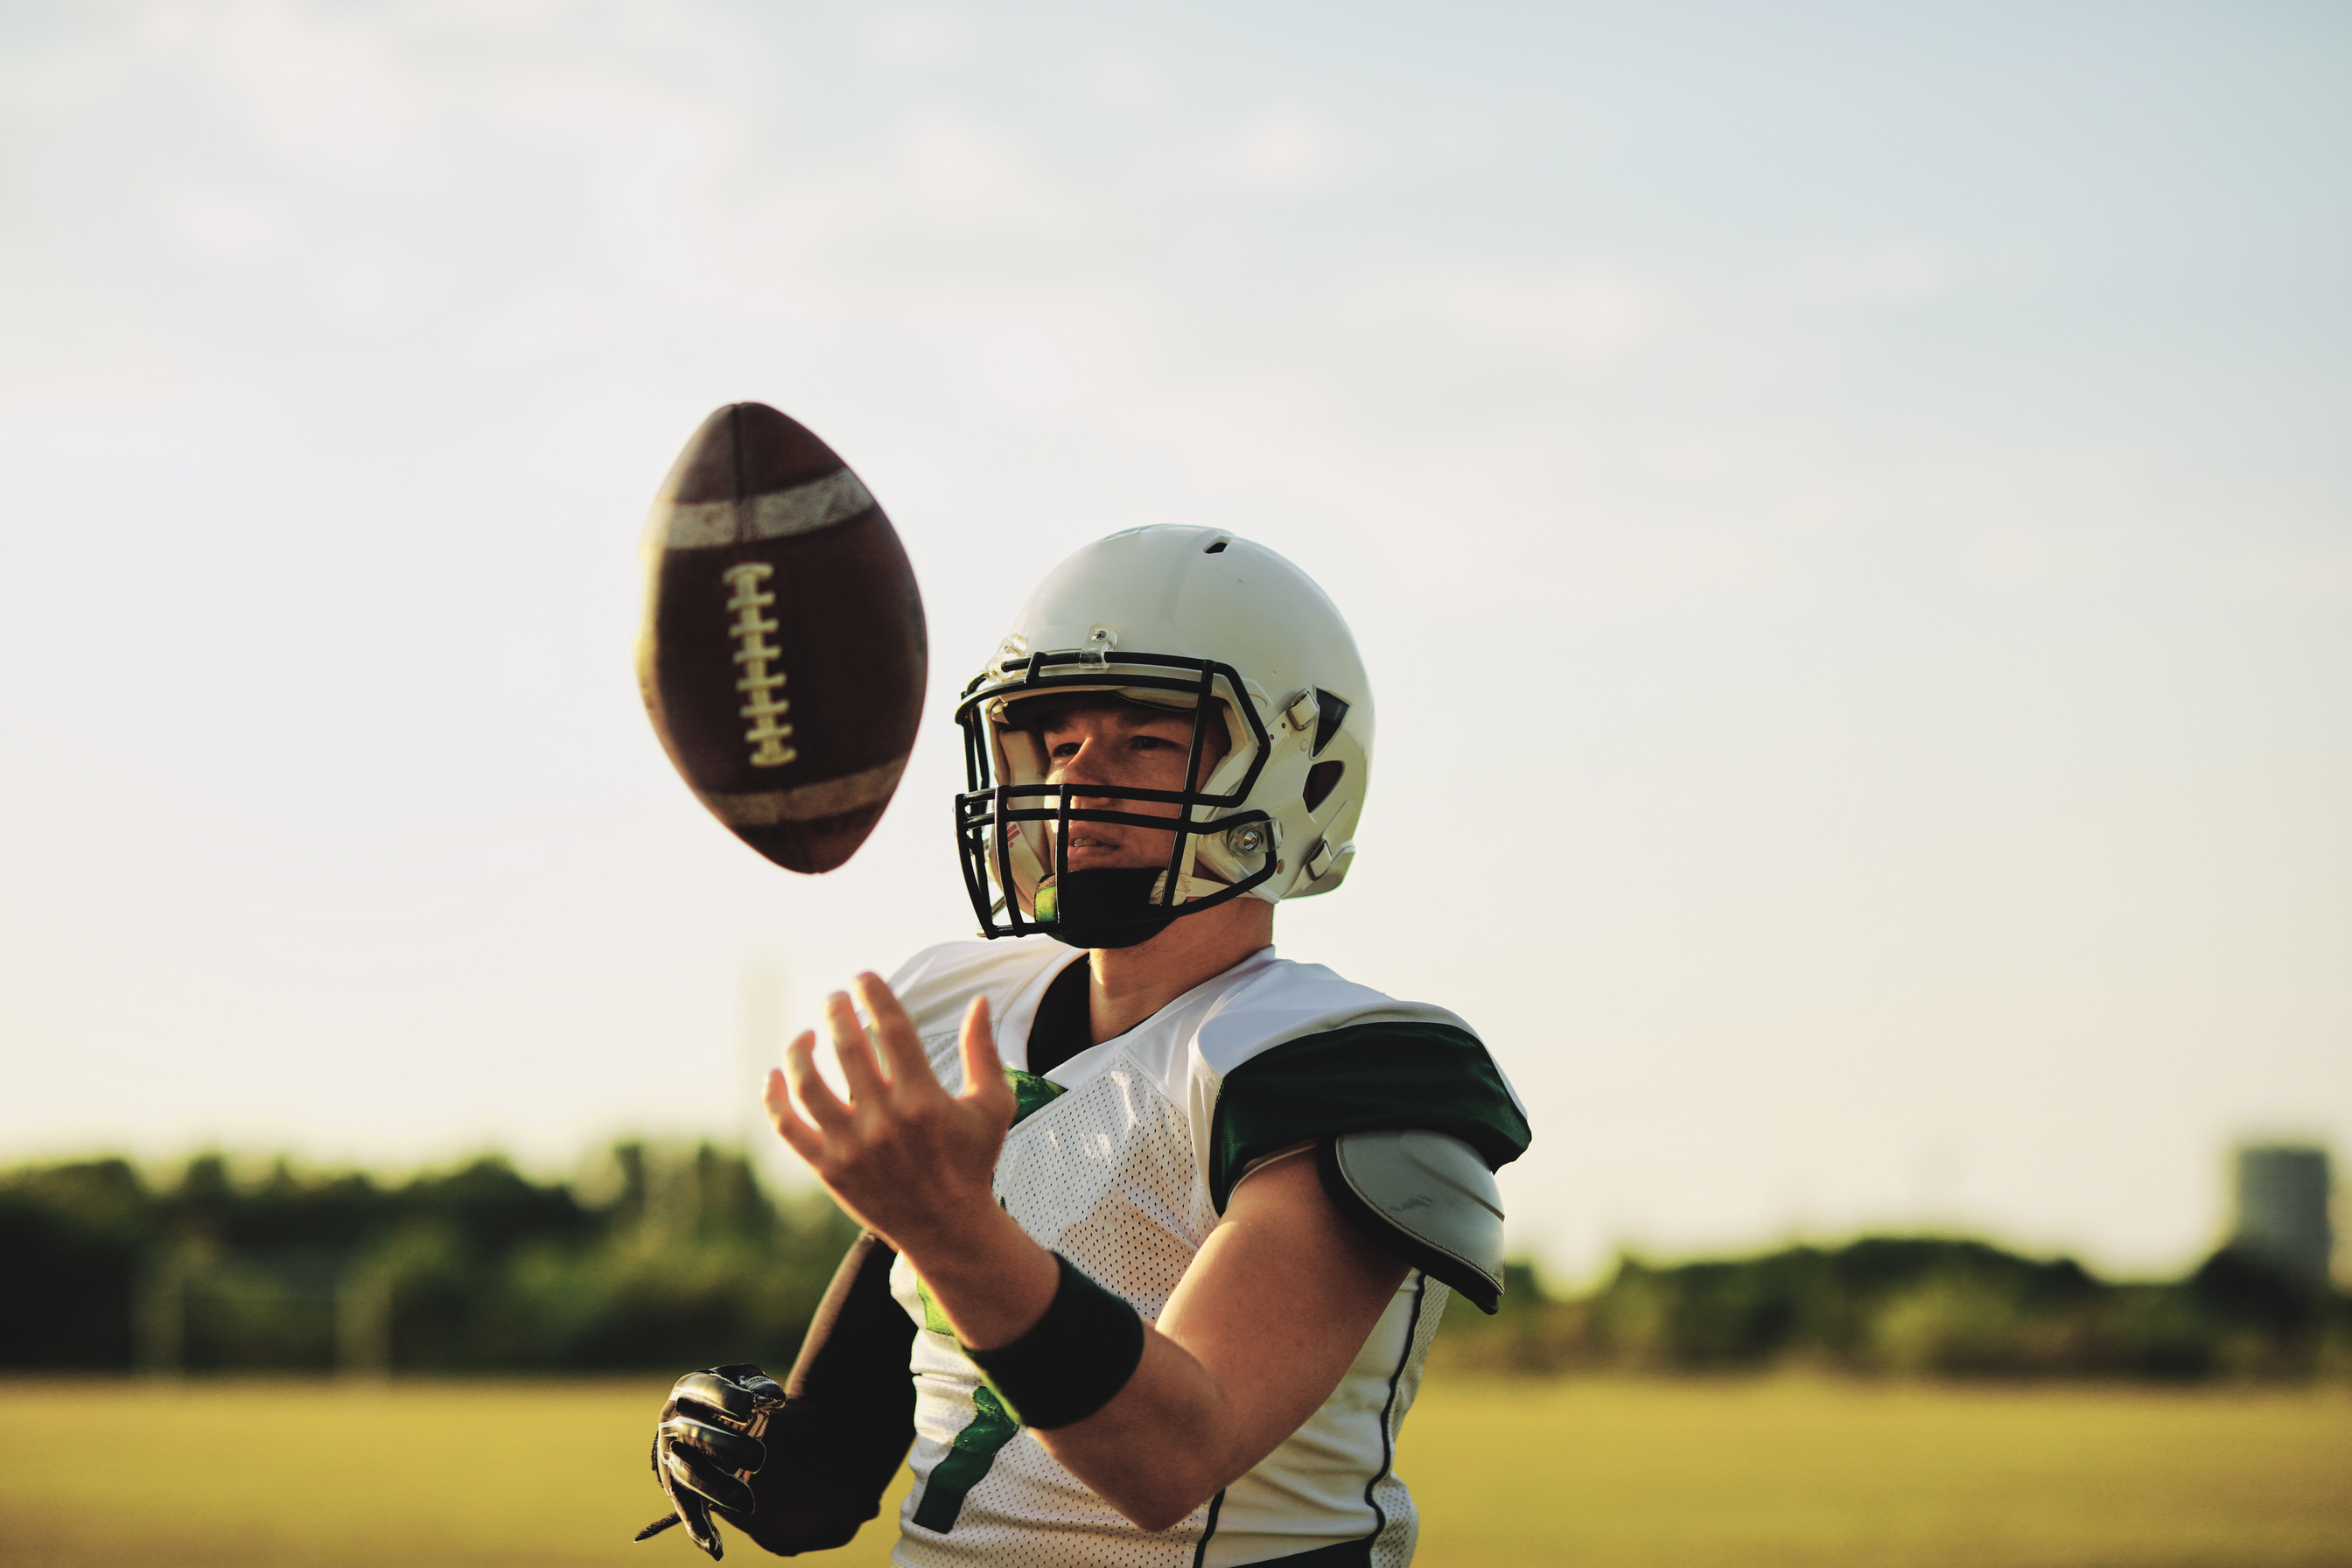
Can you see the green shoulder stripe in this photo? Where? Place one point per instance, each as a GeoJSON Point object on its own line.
{"type": "Point", "coordinates": [1431, 1076]}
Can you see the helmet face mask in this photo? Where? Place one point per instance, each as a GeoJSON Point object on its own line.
{"type": "Point", "coordinates": [1291, 778]}
{"type": "Point", "coordinates": [1012, 818]}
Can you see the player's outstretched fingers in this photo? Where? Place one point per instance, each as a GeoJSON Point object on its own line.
{"type": "Point", "coordinates": [777, 1095]}
{"type": "Point", "coordinates": [854, 1048]}
{"type": "Point", "coordinates": [984, 1069]}
{"type": "Point", "coordinates": [902, 1047]}
{"type": "Point", "coordinates": [823, 1107]}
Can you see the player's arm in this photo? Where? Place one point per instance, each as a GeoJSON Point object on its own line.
{"type": "Point", "coordinates": [848, 1416]}
{"type": "Point", "coordinates": [1264, 1325]}
{"type": "Point", "coordinates": [1261, 1330]}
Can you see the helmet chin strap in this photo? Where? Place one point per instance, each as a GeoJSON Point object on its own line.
{"type": "Point", "coordinates": [1112, 908]}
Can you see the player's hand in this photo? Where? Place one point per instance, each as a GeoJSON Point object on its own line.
{"type": "Point", "coordinates": [909, 1161]}
{"type": "Point", "coordinates": [707, 1447]}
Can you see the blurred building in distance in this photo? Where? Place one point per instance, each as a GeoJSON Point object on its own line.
{"type": "Point", "coordinates": [2282, 1209]}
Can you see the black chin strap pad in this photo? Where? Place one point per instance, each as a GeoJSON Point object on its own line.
{"type": "Point", "coordinates": [1110, 908]}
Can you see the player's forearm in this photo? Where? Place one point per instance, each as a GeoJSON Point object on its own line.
{"type": "Point", "coordinates": [1260, 1332]}
{"type": "Point", "coordinates": [1164, 1444]}
{"type": "Point", "coordinates": [1167, 1444]}
{"type": "Point", "coordinates": [1211, 1397]}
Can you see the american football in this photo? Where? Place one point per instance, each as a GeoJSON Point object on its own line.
{"type": "Point", "coordinates": [783, 652]}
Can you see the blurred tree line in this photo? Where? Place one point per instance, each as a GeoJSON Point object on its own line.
{"type": "Point", "coordinates": [662, 1257]}
{"type": "Point", "coordinates": [670, 1257]}
{"type": "Point", "coordinates": [1932, 1306]}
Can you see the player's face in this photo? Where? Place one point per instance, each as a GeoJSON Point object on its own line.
{"type": "Point", "coordinates": [1110, 746]}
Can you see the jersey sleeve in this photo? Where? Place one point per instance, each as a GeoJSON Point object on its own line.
{"type": "Point", "coordinates": [1395, 1076]}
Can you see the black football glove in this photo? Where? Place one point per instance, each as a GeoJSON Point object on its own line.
{"type": "Point", "coordinates": [707, 1445]}
{"type": "Point", "coordinates": [797, 1469]}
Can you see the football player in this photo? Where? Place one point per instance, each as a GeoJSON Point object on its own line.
{"type": "Point", "coordinates": [1159, 1225]}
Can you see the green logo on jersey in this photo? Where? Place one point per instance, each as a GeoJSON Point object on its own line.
{"type": "Point", "coordinates": [1030, 1093]}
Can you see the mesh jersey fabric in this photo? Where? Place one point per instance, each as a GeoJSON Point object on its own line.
{"type": "Point", "coordinates": [1114, 1161]}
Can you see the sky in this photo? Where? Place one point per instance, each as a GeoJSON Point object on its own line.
{"type": "Point", "coordinates": [1846, 509]}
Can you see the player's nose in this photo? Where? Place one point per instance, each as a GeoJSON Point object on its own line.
{"type": "Point", "coordinates": [1089, 764]}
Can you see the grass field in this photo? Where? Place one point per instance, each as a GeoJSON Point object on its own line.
{"type": "Point", "coordinates": [108, 1473]}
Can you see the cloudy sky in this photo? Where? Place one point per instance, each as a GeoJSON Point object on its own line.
{"type": "Point", "coordinates": [1847, 508]}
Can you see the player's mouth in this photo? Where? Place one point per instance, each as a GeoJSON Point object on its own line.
{"type": "Point", "coordinates": [1098, 850]}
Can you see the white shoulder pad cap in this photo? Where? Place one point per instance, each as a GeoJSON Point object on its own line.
{"type": "Point", "coordinates": [1429, 1199]}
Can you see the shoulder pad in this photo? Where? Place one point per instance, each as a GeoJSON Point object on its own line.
{"type": "Point", "coordinates": [1427, 1198]}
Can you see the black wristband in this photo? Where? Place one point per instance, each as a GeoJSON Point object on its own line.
{"type": "Point", "coordinates": [1072, 1362]}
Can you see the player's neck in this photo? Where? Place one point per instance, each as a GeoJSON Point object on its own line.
{"type": "Point", "coordinates": [1130, 983]}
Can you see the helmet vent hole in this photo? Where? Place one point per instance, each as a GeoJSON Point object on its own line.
{"type": "Point", "coordinates": [1329, 713]}
{"type": "Point", "coordinates": [1321, 779]}
{"type": "Point", "coordinates": [1216, 546]}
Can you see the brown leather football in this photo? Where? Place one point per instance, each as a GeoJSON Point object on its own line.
{"type": "Point", "coordinates": [783, 652]}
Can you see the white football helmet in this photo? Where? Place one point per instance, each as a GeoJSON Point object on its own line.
{"type": "Point", "coordinates": [1167, 616]}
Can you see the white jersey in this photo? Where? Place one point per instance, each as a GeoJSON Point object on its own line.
{"type": "Point", "coordinates": [1121, 1158]}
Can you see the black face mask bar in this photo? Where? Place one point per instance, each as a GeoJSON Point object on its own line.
{"type": "Point", "coordinates": [987, 811]}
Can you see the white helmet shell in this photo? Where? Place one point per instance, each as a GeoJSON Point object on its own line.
{"type": "Point", "coordinates": [1165, 615]}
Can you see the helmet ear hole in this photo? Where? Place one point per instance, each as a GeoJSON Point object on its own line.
{"type": "Point", "coordinates": [1321, 779]}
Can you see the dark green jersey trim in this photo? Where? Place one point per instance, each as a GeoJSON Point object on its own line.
{"type": "Point", "coordinates": [1208, 1531]}
{"type": "Point", "coordinates": [1389, 1421]}
{"type": "Point", "coordinates": [969, 1458]}
{"type": "Point", "coordinates": [1431, 1076]}
{"type": "Point", "coordinates": [1343, 1554]}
